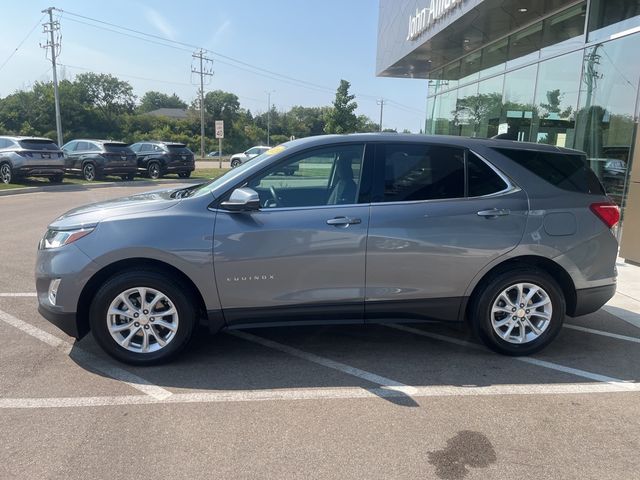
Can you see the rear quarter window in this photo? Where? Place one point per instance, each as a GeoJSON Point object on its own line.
{"type": "Point", "coordinates": [179, 149]}
{"type": "Point", "coordinates": [566, 171]}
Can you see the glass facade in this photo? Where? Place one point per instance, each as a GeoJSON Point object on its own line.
{"type": "Point", "coordinates": [567, 80]}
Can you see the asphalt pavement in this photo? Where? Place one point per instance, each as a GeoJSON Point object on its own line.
{"type": "Point", "coordinates": [353, 402]}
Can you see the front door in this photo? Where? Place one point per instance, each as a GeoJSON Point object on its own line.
{"type": "Point", "coordinates": [301, 257]}
{"type": "Point", "coordinates": [431, 231]}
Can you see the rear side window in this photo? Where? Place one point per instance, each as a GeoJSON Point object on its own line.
{"type": "Point", "coordinates": [422, 172]}
{"type": "Point", "coordinates": [566, 171]}
{"type": "Point", "coordinates": [38, 145]}
{"type": "Point", "coordinates": [483, 180]}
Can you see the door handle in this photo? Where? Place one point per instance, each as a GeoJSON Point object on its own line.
{"type": "Point", "coordinates": [343, 221]}
{"type": "Point", "coordinates": [494, 212]}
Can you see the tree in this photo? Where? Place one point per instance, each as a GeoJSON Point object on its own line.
{"type": "Point", "coordinates": [341, 117]}
{"type": "Point", "coordinates": [153, 100]}
{"type": "Point", "coordinates": [554, 99]}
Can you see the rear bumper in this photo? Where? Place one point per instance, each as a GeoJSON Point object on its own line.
{"type": "Point", "coordinates": [589, 300]}
{"type": "Point", "coordinates": [40, 171]}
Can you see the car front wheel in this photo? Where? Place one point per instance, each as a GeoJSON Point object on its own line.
{"type": "Point", "coordinates": [519, 312]}
{"type": "Point", "coordinates": [142, 318]}
{"type": "Point", "coordinates": [235, 163]}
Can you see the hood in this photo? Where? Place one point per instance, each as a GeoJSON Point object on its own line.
{"type": "Point", "coordinates": [92, 214]}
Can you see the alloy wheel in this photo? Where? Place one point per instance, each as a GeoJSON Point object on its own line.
{"type": "Point", "coordinates": [154, 171]}
{"type": "Point", "coordinates": [5, 173]}
{"type": "Point", "coordinates": [521, 313]}
{"type": "Point", "coordinates": [89, 172]}
{"type": "Point", "coordinates": [142, 320]}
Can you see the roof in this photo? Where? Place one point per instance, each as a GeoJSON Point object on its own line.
{"type": "Point", "coordinates": [170, 112]}
{"type": "Point", "coordinates": [160, 142]}
{"type": "Point", "coordinates": [23, 137]}
{"type": "Point", "coordinates": [465, 142]}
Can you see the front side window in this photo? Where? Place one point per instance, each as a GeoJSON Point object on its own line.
{"type": "Point", "coordinates": [421, 172]}
{"type": "Point", "coordinates": [325, 176]}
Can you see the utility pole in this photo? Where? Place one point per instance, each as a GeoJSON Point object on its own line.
{"type": "Point", "coordinates": [204, 69]}
{"type": "Point", "coordinates": [269, 92]}
{"type": "Point", "coordinates": [51, 28]}
{"type": "Point", "coordinates": [381, 102]}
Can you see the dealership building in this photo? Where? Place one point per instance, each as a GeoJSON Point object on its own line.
{"type": "Point", "coordinates": [559, 72]}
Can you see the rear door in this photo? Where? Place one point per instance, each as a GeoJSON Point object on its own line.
{"type": "Point", "coordinates": [301, 257]}
{"type": "Point", "coordinates": [439, 215]}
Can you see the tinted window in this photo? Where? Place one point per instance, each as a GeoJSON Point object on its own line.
{"type": "Point", "coordinates": [116, 147]}
{"type": "Point", "coordinates": [481, 177]}
{"type": "Point", "coordinates": [178, 148]}
{"type": "Point", "coordinates": [135, 147]}
{"type": "Point", "coordinates": [4, 143]}
{"type": "Point", "coordinates": [566, 171]}
{"type": "Point", "coordinates": [38, 145]}
{"type": "Point", "coordinates": [422, 172]}
{"type": "Point", "coordinates": [84, 146]}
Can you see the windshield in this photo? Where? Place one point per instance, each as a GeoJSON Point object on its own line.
{"type": "Point", "coordinates": [213, 184]}
{"type": "Point", "coordinates": [178, 148]}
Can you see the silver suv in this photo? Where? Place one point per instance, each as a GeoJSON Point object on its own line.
{"type": "Point", "coordinates": [508, 236]}
{"type": "Point", "coordinates": [238, 159]}
{"type": "Point", "coordinates": [30, 157]}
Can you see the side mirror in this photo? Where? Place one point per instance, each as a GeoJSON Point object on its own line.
{"type": "Point", "coordinates": [242, 200]}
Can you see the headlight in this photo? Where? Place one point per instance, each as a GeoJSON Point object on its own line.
{"type": "Point", "coordinates": [59, 238]}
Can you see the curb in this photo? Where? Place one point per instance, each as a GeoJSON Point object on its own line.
{"type": "Point", "coordinates": [85, 186]}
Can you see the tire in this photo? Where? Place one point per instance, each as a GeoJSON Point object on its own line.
{"type": "Point", "coordinates": [128, 177]}
{"type": "Point", "coordinates": [153, 171]}
{"type": "Point", "coordinates": [89, 172]}
{"type": "Point", "coordinates": [235, 163]}
{"type": "Point", "coordinates": [56, 179]}
{"type": "Point", "coordinates": [128, 284]}
{"type": "Point", "coordinates": [493, 326]}
{"type": "Point", "coordinates": [6, 173]}
{"type": "Point", "coordinates": [184, 174]}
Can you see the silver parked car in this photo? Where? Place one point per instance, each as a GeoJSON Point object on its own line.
{"type": "Point", "coordinates": [508, 236]}
{"type": "Point", "coordinates": [30, 157]}
{"type": "Point", "coordinates": [238, 159]}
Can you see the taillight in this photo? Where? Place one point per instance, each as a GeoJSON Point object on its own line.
{"type": "Point", "coordinates": [608, 212]}
{"type": "Point", "coordinates": [24, 154]}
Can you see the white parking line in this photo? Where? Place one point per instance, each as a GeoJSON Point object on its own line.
{"type": "Point", "coordinates": [89, 359]}
{"type": "Point", "coordinates": [19, 294]}
{"type": "Point", "coordinates": [294, 394]}
{"type": "Point", "coordinates": [603, 333]}
{"type": "Point", "coordinates": [532, 361]}
{"type": "Point", "coordinates": [386, 383]}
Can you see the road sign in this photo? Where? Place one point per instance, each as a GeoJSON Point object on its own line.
{"type": "Point", "coordinates": [219, 128]}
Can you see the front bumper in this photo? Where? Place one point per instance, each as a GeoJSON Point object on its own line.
{"type": "Point", "coordinates": [589, 300]}
{"type": "Point", "coordinates": [74, 269]}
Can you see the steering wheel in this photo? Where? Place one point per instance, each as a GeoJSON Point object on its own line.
{"type": "Point", "coordinates": [274, 196]}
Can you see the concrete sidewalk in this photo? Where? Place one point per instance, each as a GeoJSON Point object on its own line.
{"type": "Point", "coordinates": [626, 302]}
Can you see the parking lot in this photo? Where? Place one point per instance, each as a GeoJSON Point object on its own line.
{"type": "Point", "coordinates": [405, 401]}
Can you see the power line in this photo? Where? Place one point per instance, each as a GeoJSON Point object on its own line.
{"type": "Point", "coordinates": [22, 42]}
{"type": "Point", "coordinates": [236, 62]}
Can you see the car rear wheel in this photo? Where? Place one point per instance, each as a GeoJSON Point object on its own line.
{"type": "Point", "coordinates": [6, 173]}
{"type": "Point", "coordinates": [153, 170]}
{"type": "Point", "coordinates": [142, 318]}
{"type": "Point", "coordinates": [184, 174]}
{"type": "Point", "coordinates": [89, 172]}
{"type": "Point", "coordinates": [519, 312]}
{"type": "Point", "coordinates": [235, 163]}
{"type": "Point", "coordinates": [56, 179]}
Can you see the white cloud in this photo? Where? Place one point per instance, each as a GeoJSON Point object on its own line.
{"type": "Point", "coordinates": [160, 23]}
{"type": "Point", "coordinates": [219, 32]}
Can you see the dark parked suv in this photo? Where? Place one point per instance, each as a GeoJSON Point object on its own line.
{"type": "Point", "coordinates": [156, 159]}
{"type": "Point", "coordinates": [95, 158]}
{"type": "Point", "coordinates": [30, 157]}
{"type": "Point", "coordinates": [508, 236]}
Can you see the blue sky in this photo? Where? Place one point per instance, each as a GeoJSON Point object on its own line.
{"type": "Point", "coordinates": [318, 41]}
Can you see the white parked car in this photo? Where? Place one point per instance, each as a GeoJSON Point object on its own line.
{"type": "Point", "coordinates": [238, 159]}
